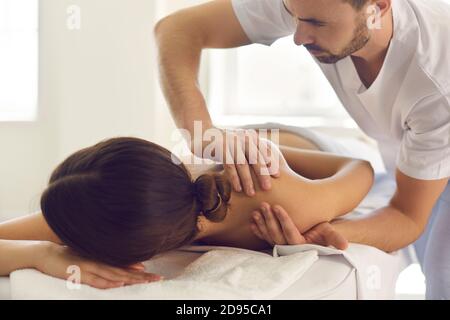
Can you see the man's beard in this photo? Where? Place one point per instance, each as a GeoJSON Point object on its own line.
{"type": "Point", "coordinates": [360, 39]}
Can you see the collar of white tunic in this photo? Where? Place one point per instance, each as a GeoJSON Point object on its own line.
{"type": "Point", "coordinates": [404, 22]}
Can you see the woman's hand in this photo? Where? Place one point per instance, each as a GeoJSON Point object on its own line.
{"type": "Point", "coordinates": [55, 260]}
{"type": "Point", "coordinates": [275, 226]}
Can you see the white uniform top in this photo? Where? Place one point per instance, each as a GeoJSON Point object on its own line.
{"type": "Point", "coordinates": [407, 108]}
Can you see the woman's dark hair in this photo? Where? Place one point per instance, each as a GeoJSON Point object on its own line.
{"type": "Point", "coordinates": [124, 200]}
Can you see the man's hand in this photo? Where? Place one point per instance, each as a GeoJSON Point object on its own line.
{"type": "Point", "coordinates": [326, 235]}
{"type": "Point", "coordinates": [241, 152]}
{"type": "Point", "coordinates": [275, 226]}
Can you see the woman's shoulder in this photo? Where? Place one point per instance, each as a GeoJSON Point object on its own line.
{"type": "Point", "coordinates": [272, 151]}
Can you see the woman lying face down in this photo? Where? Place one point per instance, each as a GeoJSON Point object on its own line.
{"type": "Point", "coordinates": [124, 200]}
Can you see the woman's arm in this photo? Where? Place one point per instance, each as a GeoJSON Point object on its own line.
{"type": "Point", "coordinates": [20, 249]}
{"type": "Point", "coordinates": [16, 255]}
{"type": "Point", "coordinates": [315, 187]}
{"type": "Point", "coordinates": [342, 182]}
{"type": "Point", "coordinates": [313, 164]}
{"type": "Point", "coordinates": [55, 261]}
{"type": "Point", "coordinates": [29, 227]}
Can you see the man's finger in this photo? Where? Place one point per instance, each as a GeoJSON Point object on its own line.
{"type": "Point", "coordinates": [256, 231]}
{"type": "Point", "coordinates": [263, 148]}
{"type": "Point", "coordinates": [290, 230]}
{"type": "Point", "coordinates": [273, 227]}
{"type": "Point", "coordinates": [234, 177]}
{"type": "Point", "coordinates": [272, 162]}
{"type": "Point", "coordinates": [259, 220]}
{"type": "Point", "coordinates": [243, 169]}
{"type": "Point", "coordinates": [230, 163]}
{"type": "Point", "coordinates": [325, 235]}
{"type": "Point", "coordinates": [259, 165]}
{"type": "Point", "coordinates": [314, 237]}
{"type": "Point", "coordinates": [336, 240]}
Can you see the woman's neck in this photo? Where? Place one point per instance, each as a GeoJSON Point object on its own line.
{"type": "Point", "coordinates": [207, 228]}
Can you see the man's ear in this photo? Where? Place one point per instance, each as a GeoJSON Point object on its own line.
{"type": "Point", "coordinates": [376, 11]}
{"type": "Point", "coordinates": [383, 6]}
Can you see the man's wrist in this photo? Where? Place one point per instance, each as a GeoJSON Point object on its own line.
{"type": "Point", "coordinates": [196, 134]}
{"type": "Point", "coordinates": [209, 144]}
{"type": "Point", "coordinates": [341, 226]}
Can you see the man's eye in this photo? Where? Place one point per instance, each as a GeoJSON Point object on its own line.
{"type": "Point", "coordinates": [313, 23]}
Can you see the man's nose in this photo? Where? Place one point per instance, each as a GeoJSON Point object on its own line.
{"type": "Point", "coordinates": [303, 36]}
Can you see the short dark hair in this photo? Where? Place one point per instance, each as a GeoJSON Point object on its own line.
{"type": "Point", "coordinates": [357, 4]}
{"type": "Point", "coordinates": [125, 200]}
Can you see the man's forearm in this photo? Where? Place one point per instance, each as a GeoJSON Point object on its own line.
{"type": "Point", "coordinates": [179, 60]}
{"type": "Point", "coordinates": [387, 229]}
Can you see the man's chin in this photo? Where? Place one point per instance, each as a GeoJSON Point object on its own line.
{"type": "Point", "coordinates": [327, 59]}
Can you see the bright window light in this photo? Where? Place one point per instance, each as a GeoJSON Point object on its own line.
{"type": "Point", "coordinates": [278, 83]}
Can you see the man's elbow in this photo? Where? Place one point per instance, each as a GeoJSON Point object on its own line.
{"type": "Point", "coordinates": [418, 230]}
{"type": "Point", "coordinates": [161, 26]}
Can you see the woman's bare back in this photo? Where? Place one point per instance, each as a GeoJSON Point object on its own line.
{"type": "Point", "coordinates": [235, 230]}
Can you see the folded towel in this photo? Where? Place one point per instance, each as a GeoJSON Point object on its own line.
{"type": "Point", "coordinates": [223, 273]}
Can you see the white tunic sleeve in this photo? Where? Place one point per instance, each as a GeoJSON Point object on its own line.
{"type": "Point", "coordinates": [425, 148]}
{"type": "Point", "coordinates": [264, 21]}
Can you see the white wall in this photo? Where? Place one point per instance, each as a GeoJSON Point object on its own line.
{"type": "Point", "coordinates": [29, 149]}
{"type": "Point", "coordinates": [95, 83]}
{"type": "Point", "coordinates": [107, 84]}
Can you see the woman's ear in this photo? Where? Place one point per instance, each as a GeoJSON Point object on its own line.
{"type": "Point", "coordinates": [200, 222]}
{"type": "Point", "coordinates": [201, 227]}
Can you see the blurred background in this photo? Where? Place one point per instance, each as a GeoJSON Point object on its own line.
{"type": "Point", "coordinates": [73, 72]}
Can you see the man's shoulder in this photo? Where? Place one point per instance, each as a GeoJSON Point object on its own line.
{"type": "Point", "coordinates": [433, 42]}
{"type": "Point", "coordinates": [264, 21]}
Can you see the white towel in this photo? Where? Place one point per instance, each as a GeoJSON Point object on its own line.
{"type": "Point", "coordinates": [223, 273]}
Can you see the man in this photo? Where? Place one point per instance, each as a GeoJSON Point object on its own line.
{"type": "Point", "coordinates": [388, 62]}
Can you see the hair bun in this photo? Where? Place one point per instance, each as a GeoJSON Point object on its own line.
{"type": "Point", "coordinates": [212, 193]}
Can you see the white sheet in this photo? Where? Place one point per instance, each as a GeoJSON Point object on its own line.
{"type": "Point", "coordinates": [223, 273]}
{"type": "Point", "coordinates": [371, 274]}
